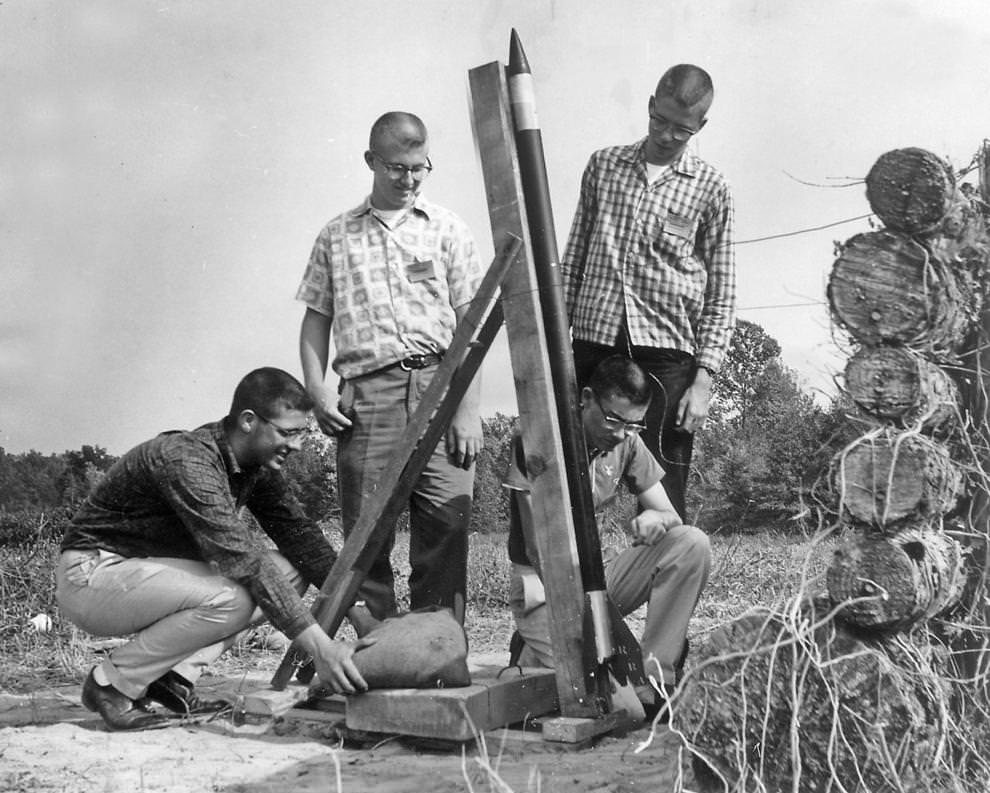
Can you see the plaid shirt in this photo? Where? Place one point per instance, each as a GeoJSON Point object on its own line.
{"type": "Point", "coordinates": [658, 256]}
{"type": "Point", "coordinates": [181, 495]}
{"type": "Point", "coordinates": [390, 292]}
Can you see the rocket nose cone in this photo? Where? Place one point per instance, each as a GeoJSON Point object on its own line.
{"type": "Point", "coordinates": [518, 63]}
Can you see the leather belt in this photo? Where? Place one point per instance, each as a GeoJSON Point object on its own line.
{"type": "Point", "coordinates": [418, 361]}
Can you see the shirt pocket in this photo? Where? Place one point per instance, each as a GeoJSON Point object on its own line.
{"type": "Point", "coordinates": [675, 241]}
{"type": "Point", "coordinates": [422, 280]}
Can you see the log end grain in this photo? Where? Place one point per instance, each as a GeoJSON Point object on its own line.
{"type": "Point", "coordinates": [896, 384]}
{"type": "Point", "coordinates": [877, 288]}
{"type": "Point", "coordinates": [910, 189]}
{"type": "Point", "coordinates": [889, 479]}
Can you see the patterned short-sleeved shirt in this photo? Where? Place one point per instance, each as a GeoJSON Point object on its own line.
{"type": "Point", "coordinates": [630, 462]}
{"type": "Point", "coordinates": [390, 292]}
{"type": "Point", "coordinates": [658, 255]}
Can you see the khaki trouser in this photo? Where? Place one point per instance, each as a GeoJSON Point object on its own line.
{"type": "Point", "coordinates": [669, 576]}
{"type": "Point", "coordinates": [183, 614]}
{"type": "Point", "coordinates": [380, 405]}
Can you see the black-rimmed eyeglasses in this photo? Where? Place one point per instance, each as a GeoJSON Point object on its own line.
{"type": "Point", "coordinates": [616, 423]}
{"type": "Point", "coordinates": [289, 433]}
{"type": "Point", "coordinates": [660, 123]}
{"type": "Point", "coordinates": [396, 171]}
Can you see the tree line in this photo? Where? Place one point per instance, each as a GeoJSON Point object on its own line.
{"type": "Point", "coordinates": [758, 463]}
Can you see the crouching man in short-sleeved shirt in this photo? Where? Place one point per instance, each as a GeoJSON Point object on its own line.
{"type": "Point", "coordinates": [667, 564]}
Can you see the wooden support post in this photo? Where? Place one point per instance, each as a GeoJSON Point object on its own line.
{"type": "Point", "coordinates": [493, 129]}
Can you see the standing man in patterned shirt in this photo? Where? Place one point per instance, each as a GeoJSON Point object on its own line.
{"type": "Point", "coordinates": [649, 268]}
{"type": "Point", "coordinates": [389, 280]}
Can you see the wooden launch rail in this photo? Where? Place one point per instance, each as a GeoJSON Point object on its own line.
{"type": "Point", "coordinates": [539, 424]}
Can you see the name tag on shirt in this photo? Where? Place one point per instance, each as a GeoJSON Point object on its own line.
{"type": "Point", "coordinates": [678, 225]}
{"type": "Point", "coordinates": [420, 271]}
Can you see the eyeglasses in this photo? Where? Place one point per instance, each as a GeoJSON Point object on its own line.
{"type": "Point", "coordinates": [616, 423]}
{"type": "Point", "coordinates": [397, 171]}
{"type": "Point", "coordinates": [289, 433]}
{"type": "Point", "coordinates": [680, 133]}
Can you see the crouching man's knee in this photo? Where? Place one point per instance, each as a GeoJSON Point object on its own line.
{"type": "Point", "coordinates": [699, 546]}
{"type": "Point", "coordinates": [689, 549]}
{"type": "Point", "coordinates": [231, 606]}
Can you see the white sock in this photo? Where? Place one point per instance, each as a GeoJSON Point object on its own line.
{"type": "Point", "coordinates": [100, 676]}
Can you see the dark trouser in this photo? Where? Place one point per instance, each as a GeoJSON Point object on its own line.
{"type": "Point", "coordinates": [672, 372]}
{"type": "Point", "coordinates": [380, 405]}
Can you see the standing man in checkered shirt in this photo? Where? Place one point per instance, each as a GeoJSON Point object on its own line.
{"type": "Point", "coordinates": [389, 280]}
{"type": "Point", "coordinates": [649, 268]}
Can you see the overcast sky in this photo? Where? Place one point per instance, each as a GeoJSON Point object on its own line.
{"type": "Point", "coordinates": [165, 167]}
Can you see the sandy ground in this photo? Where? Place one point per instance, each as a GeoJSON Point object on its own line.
{"type": "Point", "coordinates": [49, 742]}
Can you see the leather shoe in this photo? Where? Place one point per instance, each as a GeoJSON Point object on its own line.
{"type": "Point", "coordinates": [118, 710]}
{"type": "Point", "coordinates": [178, 695]}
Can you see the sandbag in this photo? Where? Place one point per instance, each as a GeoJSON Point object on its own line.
{"type": "Point", "coordinates": [426, 648]}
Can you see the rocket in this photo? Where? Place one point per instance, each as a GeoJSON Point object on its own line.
{"type": "Point", "coordinates": [601, 618]}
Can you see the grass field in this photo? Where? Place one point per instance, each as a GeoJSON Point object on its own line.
{"type": "Point", "coordinates": [748, 570]}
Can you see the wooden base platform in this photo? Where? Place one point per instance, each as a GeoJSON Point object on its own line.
{"type": "Point", "coordinates": [497, 698]}
{"type": "Point", "coordinates": [494, 699]}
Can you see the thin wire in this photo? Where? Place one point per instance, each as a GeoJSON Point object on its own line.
{"type": "Point", "coordinates": [800, 231]}
{"type": "Point", "coordinates": [853, 181]}
{"type": "Point", "coordinates": [782, 305]}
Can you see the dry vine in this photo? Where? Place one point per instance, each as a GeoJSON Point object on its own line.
{"type": "Point", "coordinates": [879, 682]}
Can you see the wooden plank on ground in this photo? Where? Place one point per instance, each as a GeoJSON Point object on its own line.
{"type": "Point", "coordinates": [266, 701]}
{"type": "Point", "coordinates": [567, 729]}
{"type": "Point", "coordinates": [317, 715]}
{"type": "Point", "coordinates": [494, 135]}
{"type": "Point", "coordinates": [520, 694]}
{"type": "Point", "coordinates": [456, 714]}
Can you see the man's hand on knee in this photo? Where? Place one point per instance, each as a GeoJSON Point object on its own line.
{"type": "Point", "coordinates": [650, 526]}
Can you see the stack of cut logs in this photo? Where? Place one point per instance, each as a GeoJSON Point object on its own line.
{"type": "Point", "coordinates": [847, 689]}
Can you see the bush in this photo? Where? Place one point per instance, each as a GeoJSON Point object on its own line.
{"type": "Point", "coordinates": [764, 446]}
{"type": "Point", "coordinates": [312, 476]}
{"type": "Point", "coordinates": [30, 527]}
{"type": "Point", "coordinates": [490, 510]}
{"type": "Point", "coordinates": [28, 554]}
{"type": "Point", "coordinates": [32, 480]}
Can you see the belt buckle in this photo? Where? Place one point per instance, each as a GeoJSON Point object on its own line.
{"type": "Point", "coordinates": [416, 361]}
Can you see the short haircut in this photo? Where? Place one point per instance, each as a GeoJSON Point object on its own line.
{"type": "Point", "coordinates": [686, 84]}
{"type": "Point", "coordinates": [267, 391]}
{"type": "Point", "coordinates": [406, 129]}
{"type": "Point", "coordinates": [620, 376]}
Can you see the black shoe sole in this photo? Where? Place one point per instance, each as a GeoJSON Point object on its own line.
{"type": "Point", "coordinates": [141, 720]}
